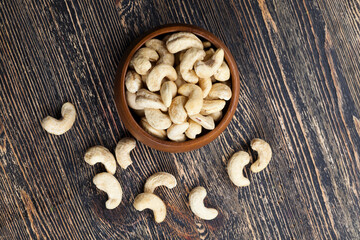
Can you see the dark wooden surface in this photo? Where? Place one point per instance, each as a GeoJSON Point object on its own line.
{"type": "Point", "coordinates": [299, 66]}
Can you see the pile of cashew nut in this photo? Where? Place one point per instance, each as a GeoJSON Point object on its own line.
{"type": "Point", "coordinates": [178, 86]}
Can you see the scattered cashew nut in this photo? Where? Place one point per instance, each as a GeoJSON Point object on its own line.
{"type": "Point", "coordinates": [151, 201]}
{"type": "Point", "coordinates": [193, 129]}
{"type": "Point", "coordinates": [152, 131]}
{"type": "Point", "coordinates": [186, 65]}
{"type": "Point", "coordinates": [147, 99]}
{"type": "Point", "coordinates": [100, 154]}
{"type": "Point", "coordinates": [220, 91]}
{"type": "Point", "coordinates": [142, 59]}
{"type": "Point", "coordinates": [133, 81]}
{"type": "Point", "coordinates": [183, 40]}
{"type": "Point", "coordinates": [168, 91]}
{"type": "Point", "coordinates": [108, 183]}
{"type": "Point", "coordinates": [159, 46]}
{"type": "Point", "coordinates": [159, 179]}
{"type": "Point", "coordinates": [209, 67]}
{"type": "Point", "coordinates": [195, 101]}
{"type": "Point", "coordinates": [157, 119]}
{"type": "Point", "coordinates": [235, 168]}
{"type": "Point", "coordinates": [60, 126]}
{"type": "Point", "coordinates": [177, 110]}
{"type": "Point", "coordinates": [122, 151]}
{"type": "Point", "coordinates": [157, 74]}
{"type": "Point", "coordinates": [176, 132]}
{"type": "Point", "coordinates": [264, 152]}
{"type": "Point", "coordinates": [196, 202]}
{"type": "Point", "coordinates": [206, 121]}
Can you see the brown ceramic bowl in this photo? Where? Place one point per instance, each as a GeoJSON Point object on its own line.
{"type": "Point", "coordinates": [131, 121]}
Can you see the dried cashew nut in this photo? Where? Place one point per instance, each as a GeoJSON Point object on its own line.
{"type": "Point", "coordinates": [208, 54]}
{"type": "Point", "coordinates": [206, 44]}
{"type": "Point", "coordinates": [131, 101]}
{"type": "Point", "coordinates": [177, 111]}
{"type": "Point", "coordinates": [223, 73]}
{"type": "Point", "coordinates": [196, 202]}
{"type": "Point", "coordinates": [216, 116]}
{"type": "Point", "coordinates": [186, 65]}
{"type": "Point", "coordinates": [168, 91]}
{"type": "Point", "coordinates": [122, 151]}
{"type": "Point", "coordinates": [193, 129]}
{"type": "Point", "coordinates": [147, 99]}
{"type": "Point", "coordinates": [157, 74]}
{"type": "Point", "coordinates": [206, 121]}
{"type": "Point", "coordinates": [212, 106]}
{"type": "Point", "coordinates": [176, 132]}
{"type": "Point", "coordinates": [159, 179]}
{"type": "Point", "coordinates": [142, 59]}
{"type": "Point", "coordinates": [108, 183]}
{"type": "Point", "coordinates": [209, 67]}
{"type": "Point", "coordinates": [179, 81]}
{"type": "Point", "coordinates": [195, 101]}
{"type": "Point", "coordinates": [133, 81]}
{"type": "Point", "coordinates": [159, 46]}
{"type": "Point", "coordinates": [100, 154]}
{"type": "Point", "coordinates": [157, 119]}
{"type": "Point", "coordinates": [205, 84]}
{"type": "Point", "coordinates": [151, 201]}
{"type": "Point", "coordinates": [152, 131]}
{"type": "Point", "coordinates": [220, 91]}
{"type": "Point", "coordinates": [235, 168]}
{"type": "Point", "coordinates": [60, 126]}
{"type": "Point", "coordinates": [264, 152]}
{"type": "Point", "coordinates": [183, 40]}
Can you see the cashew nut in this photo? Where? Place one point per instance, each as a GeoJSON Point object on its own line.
{"type": "Point", "coordinates": [177, 111]}
{"type": "Point", "coordinates": [157, 74]}
{"type": "Point", "coordinates": [209, 67]}
{"type": "Point", "coordinates": [159, 46]}
{"type": "Point", "coordinates": [179, 81]}
{"type": "Point", "coordinates": [206, 121]}
{"type": "Point", "coordinates": [183, 40]}
{"type": "Point", "coordinates": [168, 91]}
{"type": "Point", "coordinates": [62, 125]}
{"type": "Point", "coordinates": [176, 132]}
{"type": "Point", "coordinates": [193, 129]}
{"type": "Point", "coordinates": [235, 168]}
{"type": "Point", "coordinates": [205, 84]}
{"type": "Point", "coordinates": [196, 202]}
{"type": "Point", "coordinates": [108, 183]}
{"type": "Point", "coordinates": [195, 102]}
{"type": "Point", "coordinates": [147, 99]}
{"type": "Point", "coordinates": [220, 91]}
{"type": "Point", "coordinates": [159, 179]}
{"type": "Point", "coordinates": [152, 131]}
{"type": "Point", "coordinates": [151, 201]}
{"type": "Point", "coordinates": [223, 73]}
{"type": "Point", "coordinates": [122, 151]}
{"type": "Point", "coordinates": [100, 154]}
{"type": "Point", "coordinates": [212, 106]}
{"type": "Point", "coordinates": [206, 44]}
{"type": "Point", "coordinates": [131, 101]}
{"type": "Point", "coordinates": [264, 152]}
{"type": "Point", "coordinates": [133, 81]}
{"type": "Point", "coordinates": [142, 59]}
{"type": "Point", "coordinates": [216, 116]}
{"type": "Point", "coordinates": [157, 119]}
{"type": "Point", "coordinates": [208, 54]}
{"type": "Point", "coordinates": [186, 65]}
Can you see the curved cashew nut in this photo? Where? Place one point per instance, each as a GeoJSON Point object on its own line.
{"type": "Point", "coordinates": [157, 119]}
{"type": "Point", "coordinates": [60, 126]}
{"type": "Point", "coordinates": [168, 91]}
{"type": "Point", "coordinates": [108, 183]}
{"type": "Point", "coordinates": [206, 121]}
{"type": "Point", "coordinates": [235, 168]}
{"type": "Point", "coordinates": [159, 179]}
{"type": "Point", "coordinates": [142, 59]}
{"type": "Point", "coordinates": [151, 201]}
{"type": "Point", "coordinates": [186, 65]}
{"type": "Point", "coordinates": [216, 116]}
{"type": "Point", "coordinates": [223, 73]}
{"type": "Point", "coordinates": [177, 111]}
{"type": "Point", "coordinates": [212, 106]}
{"type": "Point", "coordinates": [195, 102]}
{"type": "Point", "coordinates": [122, 151]}
{"type": "Point", "coordinates": [183, 40]}
{"type": "Point", "coordinates": [264, 152]}
{"type": "Point", "coordinates": [133, 81]}
{"type": "Point", "coordinates": [131, 101]}
{"type": "Point", "coordinates": [176, 132]}
{"type": "Point", "coordinates": [159, 46]}
{"type": "Point", "coordinates": [147, 99]}
{"type": "Point", "coordinates": [206, 44]}
{"type": "Point", "coordinates": [100, 154]}
{"type": "Point", "coordinates": [205, 84]}
{"type": "Point", "coordinates": [152, 131]}
{"type": "Point", "coordinates": [196, 201]}
{"type": "Point", "coordinates": [220, 91]}
{"type": "Point", "coordinates": [208, 54]}
{"type": "Point", "coordinates": [209, 67]}
{"type": "Point", "coordinates": [193, 129]}
{"type": "Point", "coordinates": [157, 74]}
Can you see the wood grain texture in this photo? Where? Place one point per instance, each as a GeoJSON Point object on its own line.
{"type": "Point", "coordinates": [298, 62]}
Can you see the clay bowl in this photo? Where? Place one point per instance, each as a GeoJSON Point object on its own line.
{"type": "Point", "coordinates": [130, 120]}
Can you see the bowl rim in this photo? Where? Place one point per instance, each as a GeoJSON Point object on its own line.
{"type": "Point", "coordinates": [124, 111]}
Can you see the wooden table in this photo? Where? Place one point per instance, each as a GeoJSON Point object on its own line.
{"type": "Point", "coordinates": [299, 67]}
